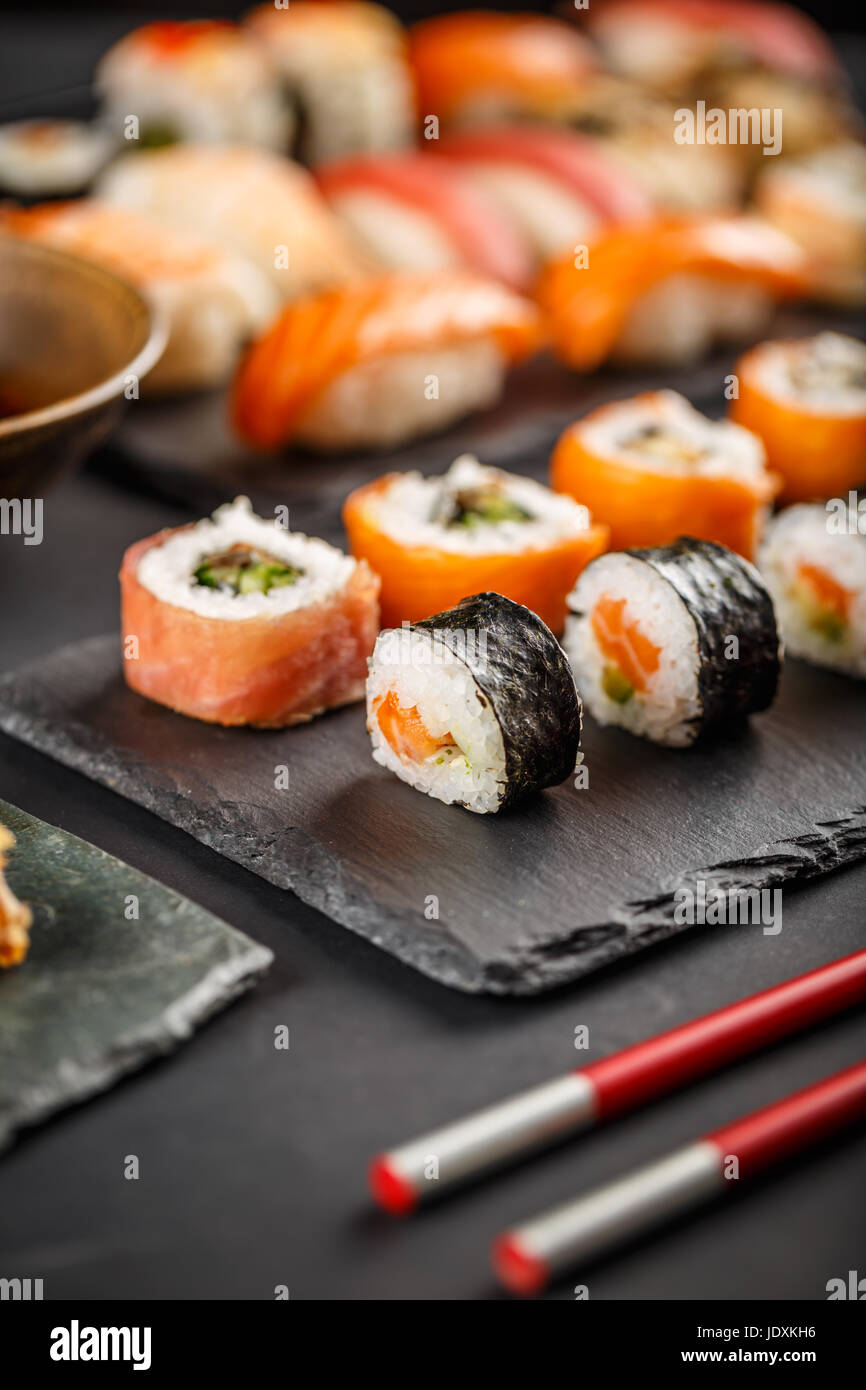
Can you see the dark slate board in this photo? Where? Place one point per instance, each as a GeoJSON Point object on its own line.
{"type": "Point", "coordinates": [100, 995]}
{"type": "Point", "coordinates": [526, 900]}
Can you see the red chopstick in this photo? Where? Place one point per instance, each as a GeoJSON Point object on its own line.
{"type": "Point", "coordinates": [437, 1162]}
{"type": "Point", "coordinates": [527, 1257]}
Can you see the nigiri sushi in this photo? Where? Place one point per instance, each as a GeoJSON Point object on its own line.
{"type": "Point", "coordinates": [214, 301]}
{"type": "Point", "coordinates": [479, 66]}
{"type": "Point", "coordinates": [475, 706]}
{"type": "Point", "coordinates": [650, 637]}
{"type": "Point", "coordinates": [250, 201]}
{"type": "Point", "coordinates": [821, 202]}
{"type": "Point", "coordinates": [51, 158]}
{"type": "Point", "coordinates": [806, 400]}
{"type": "Point", "coordinates": [375, 365]}
{"type": "Point", "coordinates": [235, 620]}
{"type": "Point", "coordinates": [412, 212]}
{"type": "Point", "coordinates": [815, 567]}
{"type": "Point", "coordinates": [557, 187]}
{"type": "Point", "coordinates": [666, 290]}
{"type": "Point", "coordinates": [434, 540]}
{"type": "Point", "coordinates": [15, 917]}
{"type": "Point", "coordinates": [345, 66]}
{"type": "Point", "coordinates": [653, 467]}
{"type": "Point", "coordinates": [193, 79]}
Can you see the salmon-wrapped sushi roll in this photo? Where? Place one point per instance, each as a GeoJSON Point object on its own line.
{"type": "Point", "coordinates": [346, 68]}
{"type": "Point", "coordinates": [821, 202]}
{"type": "Point", "coordinates": [373, 366]}
{"type": "Point", "coordinates": [236, 620]}
{"type": "Point", "coordinates": [653, 468]}
{"type": "Point", "coordinates": [665, 291]}
{"type": "Point", "coordinates": [814, 565]}
{"type": "Point", "coordinates": [213, 301]}
{"type": "Point", "coordinates": [806, 399]}
{"type": "Point", "coordinates": [194, 79]}
{"type": "Point", "coordinates": [255, 203]}
{"type": "Point", "coordinates": [479, 66]}
{"type": "Point", "coordinates": [412, 212]}
{"type": "Point", "coordinates": [434, 540]}
{"type": "Point", "coordinates": [555, 186]}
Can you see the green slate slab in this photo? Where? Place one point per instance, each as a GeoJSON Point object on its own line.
{"type": "Point", "coordinates": [102, 992]}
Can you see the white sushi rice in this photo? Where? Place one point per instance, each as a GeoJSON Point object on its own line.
{"type": "Point", "coordinates": [700, 446]}
{"type": "Point", "coordinates": [666, 711]}
{"type": "Point", "coordinates": [824, 373]}
{"type": "Point", "coordinates": [406, 511]}
{"type": "Point", "coordinates": [168, 570]}
{"type": "Point", "coordinates": [395, 234]}
{"type": "Point", "coordinates": [385, 402]}
{"type": "Point", "coordinates": [425, 674]}
{"type": "Point", "coordinates": [801, 535]}
{"type": "Point", "coordinates": [366, 109]}
{"type": "Point", "coordinates": [44, 158]}
{"type": "Point", "coordinates": [546, 212]}
{"type": "Point", "coordinates": [681, 317]}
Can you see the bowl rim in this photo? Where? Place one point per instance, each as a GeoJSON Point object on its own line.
{"type": "Point", "coordinates": [69, 407]}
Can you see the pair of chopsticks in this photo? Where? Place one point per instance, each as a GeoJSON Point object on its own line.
{"type": "Point", "coordinates": [528, 1256]}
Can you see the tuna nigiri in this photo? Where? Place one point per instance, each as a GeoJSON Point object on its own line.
{"type": "Point", "coordinates": [556, 186]}
{"type": "Point", "coordinates": [401, 356]}
{"type": "Point", "coordinates": [482, 66]}
{"type": "Point", "coordinates": [264, 207]}
{"type": "Point", "coordinates": [412, 212]}
{"type": "Point", "coordinates": [196, 79]}
{"type": "Point", "coordinates": [346, 69]}
{"type": "Point", "coordinates": [666, 290]}
{"type": "Point", "coordinates": [236, 620]}
{"type": "Point", "coordinates": [653, 468]}
{"type": "Point", "coordinates": [213, 300]}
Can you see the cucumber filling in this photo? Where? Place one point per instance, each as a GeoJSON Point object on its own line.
{"type": "Point", "coordinates": [481, 506]}
{"type": "Point", "coordinates": [615, 685]}
{"type": "Point", "coordinates": [245, 570]}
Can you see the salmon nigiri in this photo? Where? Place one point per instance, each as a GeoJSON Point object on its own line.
{"type": "Point", "coordinates": [666, 290]}
{"type": "Point", "coordinates": [375, 365]}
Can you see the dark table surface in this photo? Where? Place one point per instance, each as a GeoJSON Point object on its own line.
{"type": "Point", "coordinates": [252, 1160]}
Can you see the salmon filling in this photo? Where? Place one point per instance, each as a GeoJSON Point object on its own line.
{"type": "Point", "coordinates": [631, 657]}
{"type": "Point", "coordinates": [825, 602]}
{"type": "Point", "coordinates": [406, 732]}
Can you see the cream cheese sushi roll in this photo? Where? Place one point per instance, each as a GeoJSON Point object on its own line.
{"type": "Point", "coordinates": [674, 642]}
{"type": "Point", "coordinates": [236, 620]}
{"type": "Point", "coordinates": [52, 158]}
{"type": "Point", "coordinates": [820, 201]}
{"type": "Point", "coordinates": [195, 79]}
{"type": "Point", "coordinates": [813, 559]}
{"type": "Point", "coordinates": [433, 540]}
{"type": "Point", "coordinates": [475, 706]}
{"type": "Point", "coordinates": [345, 67]}
{"type": "Point", "coordinates": [249, 201]}
{"type": "Point", "coordinates": [214, 301]}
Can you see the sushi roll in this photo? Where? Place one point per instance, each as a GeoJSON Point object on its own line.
{"type": "Point", "coordinates": [674, 642]}
{"type": "Point", "coordinates": [346, 71]}
{"type": "Point", "coordinates": [213, 301]}
{"type": "Point", "coordinates": [815, 568]}
{"type": "Point", "coordinates": [806, 399]}
{"type": "Point", "coordinates": [249, 201]}
{"type": "Point", "coordinates": [376, 365]}
{"type": "Point", "coordinates": [478, 67]}
{"type": "Point", "coordinates": [476, 706]}
{"type": "Point", "coordinates": [555, 186]}
{"type": "Point", "coordinates": [653, 466]}
{"type": "Point", "coordinates": [194, 79]}
{"type": "Point", "coordinates": [820, 201]}
{"type": "Point", "coordinates": [51, 158]}
{"type": "Point", "coordinates": [235, 620]}
{"type": "Point", "coordinates": [665, 291]}
{"type": "Point", "coordinates": [412, 212]}
{"type": "Point", "coordinates": [15, 917]}
{"type": "Point", "coordinates": [434, 540]}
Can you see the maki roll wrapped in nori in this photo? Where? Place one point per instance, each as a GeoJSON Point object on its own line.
{"type": "Point", "coordinates": [673, 642]}
{"type": "Point", "coordinates": [476, 706]}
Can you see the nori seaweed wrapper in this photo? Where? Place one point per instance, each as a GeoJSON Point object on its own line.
{"type": "Point", "coordinates": [522, 670]}
{"type": "Point", "coordinates": [726, 598]}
